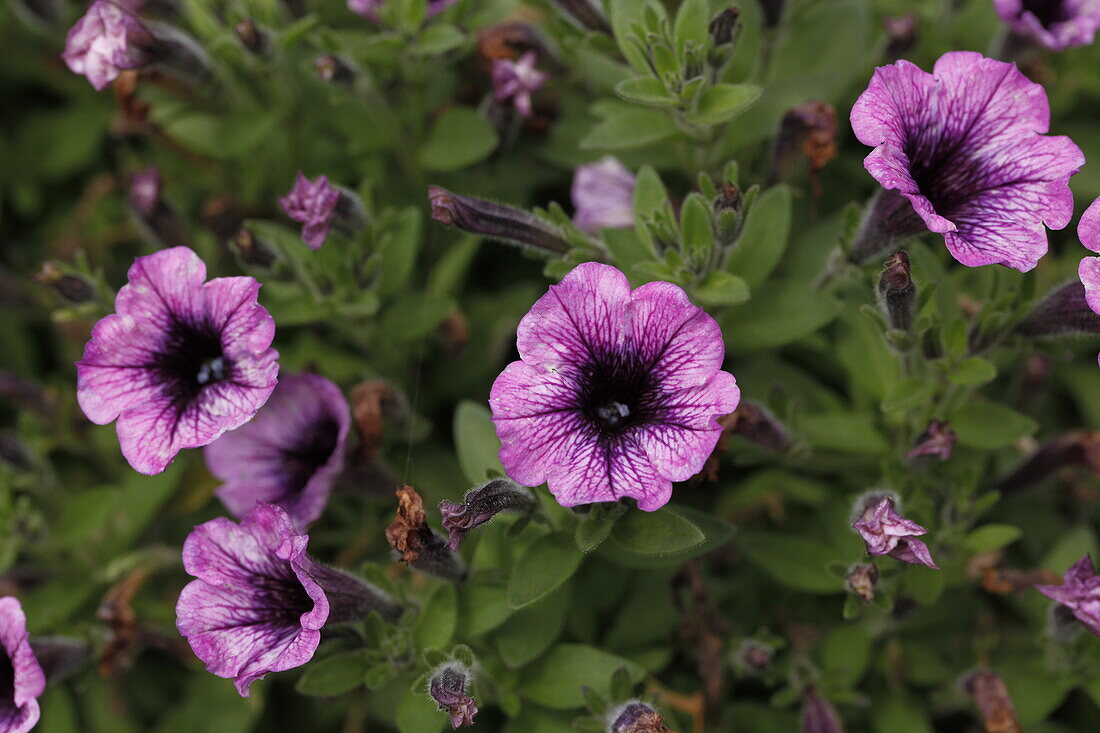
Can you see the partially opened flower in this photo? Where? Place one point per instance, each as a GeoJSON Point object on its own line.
{"type": "Point", "coordinates": [313, 203]}
{"type": "Point", "coordinates": [1054, 24]}
{"type": "Point", "coordinates": [617, 393]}
{"type": "Point", "coordinates": [23, 681]}
{"type": "Point", "coordinates": [180, 361]}
{"type": "Point", "coordinates": [517, 80]}
{"type": "Point", "coordinates": [259, 602]}
{"type": "Point", "coordinates": [888, 533]}
{"type": "Point", "coordinates": [106, 41]}
{"type": "Point", "coordinates": [289, 454]}
{"type": "Point", "coordinates": [961, 152]}
{"type": "Point", "coordinates": [1079, 592]}
{"type": "Point", "coordinates": [449, 687]}
{"type": "Point", "coordinates": [603, 196]}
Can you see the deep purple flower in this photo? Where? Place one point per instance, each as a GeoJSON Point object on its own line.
{"type": "Point", "coordinates": [603, 196]}
{"type": "Point", "coordinates": [480, 505]}
{"type": "Point", "coordinates": [259, 602]}
{"type": "Point", "coordinates": [313, 203]}
{"type": "Point", "coordinates": [448, 687]}
{"type": "Point", "coordinates": [24, 681]}
{"type": "Point", "coordinates": [145, 190]}
{"type": "Point", "coordinates": [517, 80]}
{"type": "Point", "coordinates": [1055, 24]}
{"type": "Point", "coordinates": [180, 361]}
{"type": "Point", "coordinates": [1079, 592]}
{"type": "Point", "coordinates": [888, 533]}
{"type": "Point", "coordinates": [289, 454]}
{"type": "Point", "coordinates": [105, 41]}
{"type": "Point", "coordinates": [965, 146]}
{"type": "Point", "coordinates": [369, 8]}
{"type": "Point", "coordinates": [818, 714]}
{"type": "Point", "coordinates": [617, 393]}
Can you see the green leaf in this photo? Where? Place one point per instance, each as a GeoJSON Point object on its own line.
{"type": "Point", "coordinates": [663, 532]}
{"type": "Point", "coordinates": [418, 713]}
{"type": "Point", "coordinates": [895, 713]}
{"type": "Point", "coordinates": [696, 230]}
{"type": "Point", "coordinates": [397, 251]}
{"type": "Point", "coordinates": [973, 372]}
{"type": "Point", "coordinates": [777, 315]}
{"type": "Point", "coordinates": [476, 442]}
{"type": "Point", "coordinates": [717, 531]}
{"type": "Point", "coordinates": [595, 527]}
{"type": "Point", "coordinates": [721, 288]}
{"type": "Point", "coordinates": [626, 129]}
{"type": "Point", "coordinates": [627, 248]}
{"type": "Point", "coordinates": [650, 195]}
{"type": "Point", "coordinates": [991, 537]}
{"type": "Point", "coordinates": [846, 653]}
{"type": "Point", "coordinates": [907, 394]}
{"type": "Point", "coordinates": [437, 39]}
{"type": "Point", "coordinates": [333, 675]}
{"type": "Point", "coordinates": [794, 561]}
{"type": "Point", "coordinates": [722, 102]}
{"type": "Point", "coordinates": [436, 626]}
{"type": "Point", "coordinates": [414, 315]}
{"type": "Point", "coordinates": [843, 431]}
{"type": "Point", "coordinates": [764, 237]}
{"type": "Point", "coordinates": [646, 90]}
{"type": "Point", "coordinates": [691, 24]}
{"type": "Point", "coordinates": [623, 13]}
{"type": "Point", "coordinates": [544, 565]}
{"type": "Point", "coordinates": [555, 681]}
{"type": "Point", "coordinates": [990, 425]}
{"type": "Point", "coordinates": [459, 138]}
{"type": "Point", "coordinates": [484, 608]}
{"type": "Point", "coordinates": [530, 632]}
{"type": "Point", "coordinates": [925, 585]}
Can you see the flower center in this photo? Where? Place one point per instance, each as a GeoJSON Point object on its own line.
{"type": "Point", "coordinates": [613, 414]}
{"type": "Point", "coordinates": [313, 450]}
{"type": "Point", "coordinates": [212, 370]}
{"type": "Point", "coordinates": [1048, 11]}
{"type": "Point", "coordinates": [616, 392]}
{"type": "Point", "coordinates": [192, 359]}
{"type": "Point", "coordinates": [7, 685]}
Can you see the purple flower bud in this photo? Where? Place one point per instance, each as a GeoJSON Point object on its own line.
{"type": "Point", "coordinates": [753, 657]}
{"type": "Point", "coordinates": [517, 80]}
{"type": "Point", "coordinates": [729, 215]}
{"type": "Point", "coordinates": [72, 288]}
{"type": "Point", "coordinates": [896, 287]}
{"type": "Point", "coordinates": [937, 440]}
{"type": "Point", "coordinates": [497, 221]}
{"type": "Point", "coordinates": [636, 717]}
{"type": "Point", "coordinates": [106, 41]}
{"type": "Point", "coordinates": [603, 196]}
{"type": "Point", "coordinates": [1080, 593]}
{"type": "Point", "coordinates": [773, 12]}
{"type": "Point", "coordinates": [333, 69]}
{"type": "Point", "coordinates": [154, 216]}
{"type": "Point", "coordinates": [585, 13]}
{"type": "Point", "coordinates": [448, 687]}
{"type": "Point", "coordinates": [818, 714]}
{"type": "Point", "coordinates": [252, 250]}
{"type": "Point", "coordinates": [995, 704]}
{"type": "Point", "coordinates": [886, 532]}
{"type": "Point", "coordinates": [255, 39]}
{"type": "Point", "coordinates": [726, 27]}
{"type": "Point", "coordinates": [901, 32]}
{"type": "Point", "coordinates": [861, 580]}
{"type": "Point", "coordinates": [320, 207]}
{"type": "Point", "coordinates": [1077, 448]}
{"type": "Point", "coordinates": [13, 452]}
{"type": "Point", "coordinates": [480, 505]}
{"type": "Point", "coordinates": [1063, 311]}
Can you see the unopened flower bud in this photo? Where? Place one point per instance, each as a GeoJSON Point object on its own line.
{"type": "Point", "coordinates": [334, 70]}
{"type": "Point", "coordinates": [153, 214]}
{"type": "Point", "coordinates": [753, 657]}
{"type": "Point", "coordinates": [729, 215]}
{"type": "Point", "coordinates": [937, 440]}
{"type": "Point", "coordinates": [1063, 311]}
{"type": "Point", "coordinates": [995, 704]}
{"type": "Point", "coordinates": [26, 394]}
{"type": "Point", "coordinates": [449, 687]}
{"type": "Point", "coordinates": [1077, 448]}
{"type": "Point", "coordinates": [585, 13]}
{"type": "Point", "coordinates": [252, 250]}
{"type": "Point", "coordinates": [773, 12]}
{"type": "Point", "coordinates": [497, 221]}
{"type": "Point", "coordinates": [726, 27]}
{"type": "Point", "coordinates": [901, 30]}
{"type": "Point", "coordinates": [418, 546]}
{"type": "Point", "coordinates": [480, 505]}
{"type": "Point", "coordinates": [72, 288]}
{"type": "Point", "coordinates": [255, 39]}
{"type": "Point", "coordinates": [754, 423]}
{"type": "Point", "coordinates": [636, 717]}
{"type": "Point", "coordinates": [14, 452]}
{"type": "Point", "coordinates": [861, 580]}
{"type": "Point", "coordinates": [896, 287]}
{"type": "Point", "coordinates": [818, 714]}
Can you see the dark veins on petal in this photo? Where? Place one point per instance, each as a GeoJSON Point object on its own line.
{"type": "Point", "coordinates": [313, 450]}
{"type": "Point", "coordinates": [191, 359]}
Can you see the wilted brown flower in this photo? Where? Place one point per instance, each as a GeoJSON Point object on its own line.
{"type": "Point", "coordinates": [991, 695]}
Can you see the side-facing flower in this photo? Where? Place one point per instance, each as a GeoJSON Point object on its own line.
{"type": "Point", "coordinates": [888, 533]}
{"type": "Point", "coordinates": [603, 195]}
{"type": "Point", "coordinates": [449, 687]}
{"type": "Point", "coordinates": [180, 361]}
{"type": "Point", "coordinates": [517, 81]}
{"type": "Point", "coordinates": [480, 505]}
{"type": "Point", "coordinates": [1079, 592]}
{"type": "Point", "coordinates": [616, 394]}
{"type": "Point", "coordinates": [259, 602]}
{"type": "Point", "coordinates": [965, 146]}
{"type": "Point", "coordinates": [24, 680]}
{"type": "Point", "coordinates": [313, 203]}
{"type": "Point", "coordinates": [105, 41]}
{"type": "Point", "coordinates": [289, 454]}
{"type": "Point", "coordinates": [1054, 24]}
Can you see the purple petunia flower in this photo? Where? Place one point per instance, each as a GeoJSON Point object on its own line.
{"type": "Point", "coordinates": [603, 196]}
{"type": "Point", "coordinates": [369, 8]}
{"type": "Point", "coordinates": [888, 533]}
{"type": "Point", "coordinates": [481, 505]}
{"type": "Point", "coordinates": [259, 602]}
{"type": "Point", "coordinates": [313, 203]}
{"type": "Point", "coordinates": [289, 454]}
{"type": "Point", "coordinates": [1079, 592]}
{"type": "Point", "coordinates": [180, 361]}
{"type": "Point", "coordinates": [965, 146]}
{"type": "Point", "coordinates": [617, 393]}
{"type": "Point", "coordinates": [1055, 24]}
{"type": "Point", "coordinates": [517, 80]}
{"type": "Point", "coordinates": [449, 688]}
{"type": "Point", "coordinates": [105, 41]}
{"type": "Point", "coordinates": [24, 681]}
{"type": "Point", "coordinates": [1088, 231]}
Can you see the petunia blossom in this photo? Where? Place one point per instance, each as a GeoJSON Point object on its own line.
{"type": "Point", "coordinates": [603, 195]}
{"type": "Point", "coordinates": [24, 680]}
{"type": "Point", "coordinates": [888, 533]}
{"type": "Point", "coordinates": [180, 361]}
{"type": "Point", "coordinates": [517, 80]}
{"type": "Point", "coordinates": [105, 41]}
{"type": "Point", "coordinates": [961, 152]}
{"type": "Point", "coordinates": [259, 602]}
{"type": "Point", "coordinates": [289, 454]}
{"type": "Point", "coordinates": [1088, 230]}
{"type": "Point", "coordinates": [1054, 24]}
{"type": "Point", "coordinates": [313, 203]}
{"type": "Point", "coordinates": [616, 394]}
{"type": "Point", "coordinates": [1079, 592]}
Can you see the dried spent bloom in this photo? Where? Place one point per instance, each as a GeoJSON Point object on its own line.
{"type": "Point", "coordinates": [105, 41]}
{"type": "Point", "coordinates": [616, 393]}
{"type": "Point", "coordinates": [480, 505]}
{"type": "Point", "coordinates": [809, 130]}
{"type": "Point", "coordinates": [995, 704]}
{"type": "Point", "coordinates": [449, 687]}
{"type": "Point", "coordinates": [818, 714]}
{"type": "Point", "coordinates": [180, 362]}
{"type": "Point", "coordinates": [517, 81]}
{"type": "Point", "coordinates": [1079, 592]}
{"type": "Point", "coordinates": [888, 533]}
{"type": "Point", "coordinates": [938, 440]}
{"type": "Point", "coordinates": [861, 580]}
{"type": "Point", "coordinates": [636, 717]}
{"type": "Point", "coordinates": [259, 601]}
{"type": "Point", "coordinates": [418, 546]}
{"type": "Point", "coordinates": [1053, 24]}
{"type": "Point", "coordinates": [314, 204]}
{"type": "Point", "coordinates": [961, 152]}
{"type": "Point", "coordinates": [24, 681]}
{"type": "Point", "coordinates": [896, 287]}
{"type": "Point", "coordinates": [603, 196]}
{"type": "Point", "coordinates": [289, 454]}
{"type": "Point", "coordinates": [497, 221]}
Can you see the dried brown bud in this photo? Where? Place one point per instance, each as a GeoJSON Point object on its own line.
{"type": "Point", "coordinates": [991, 695]}
{"type": "Point", "coordinates": [252, 250]}
{"type": "Point", "coordinates": [637, 717]}
{"type": "Point", "coordinates": [333, 69]}
{"type": "Point", "coordinates": [810, 130]}
{"type": "Point", "coordinates": [254, 38]}
{"type": "Point", "coordinates": [861, 580]}
{"type": "Point", "coordinates": [416, 543]}
{"type": "Point", "coordinates": [370, 402]}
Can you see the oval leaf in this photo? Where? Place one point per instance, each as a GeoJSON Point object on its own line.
{"type": "Point", "coordinates": [547, 562]}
